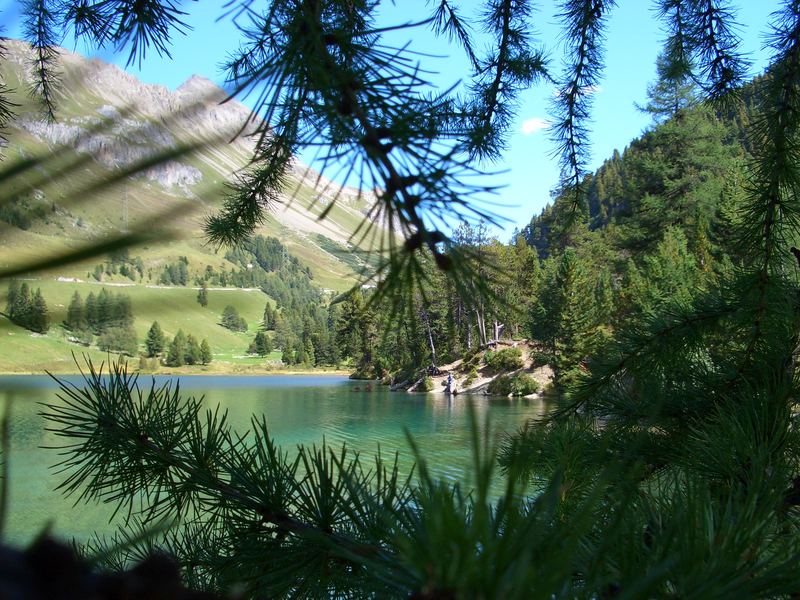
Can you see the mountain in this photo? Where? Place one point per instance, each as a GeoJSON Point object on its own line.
{"type": "Point", "coordinates": [110, 116]}
{"type": "Point", "coordinates": [55, 199]}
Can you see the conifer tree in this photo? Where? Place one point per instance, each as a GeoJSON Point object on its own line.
{"type": "Point", "coordinates": [193, 354]}
{"type": "Point", "coordinates": [120, 311]}
{"type": "Point", "coordinates": [12, 298]}
{"type": "Point", "coordinates": [154, 343]}
{"type": "Point", "coordinates": [288, 354]}
{"type": "Point", "coordinates": [76, 314]}
{"type": "Point", "coordinates": [21, 306]}
{"type": "Point", "coordinates": [39, 318]}
{"type": "Point", "coordinates": [673, 93]}
{"type": "Point", "coordinates": [261, 345]}
{"type": "Point", "coordinates": [104, 311]}
{"type": "Point", "coordinates": [268, 321]}
{"type": "Point", "coordinates": [20, 312]}
{"type": "Point", "coordinates": [205, 352]}
{"type": "Point", "coordinates": [232, 320]}
{"type": "Point", "coordinates": [565, 319]}
{"type": "Point", "coordinates": [309, 355]}
{"type": "Point", "coordinates": [176, 354]}
{"type": "Point", "coordinates": [202, 295]}
{"type": "Point", "coordinates": [91, 312]}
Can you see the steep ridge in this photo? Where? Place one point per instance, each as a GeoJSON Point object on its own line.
{"type": "Point", "coordinates": [116, 119]}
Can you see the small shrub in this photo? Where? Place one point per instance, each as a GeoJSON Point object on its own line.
{"type": "Point", "coordinates": [472, 360]}
{"type": "Point", "coordinates": [471, 377]}
{"type": "Point", "coordinates": [507, 359]}
{"type": "Point", "coordinates": [519, 384]}
{"type": "Point", "coordinates": [540, 359]}
{"type": "Point", "coordinates": [426, 385]}
{"type": "Point", "coordinates": [118, 339]}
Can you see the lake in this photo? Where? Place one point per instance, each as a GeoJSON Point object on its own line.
{"type": "Point", "coordinates": [299, 409]}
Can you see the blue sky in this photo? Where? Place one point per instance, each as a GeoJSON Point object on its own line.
{"type": "Point", "coordinates": [529, 169]}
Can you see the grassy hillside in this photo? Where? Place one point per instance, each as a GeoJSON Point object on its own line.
{"type": "Point", "coordinates": [107, 122]}
{"type": "Point", "coordinates": [174, 308]}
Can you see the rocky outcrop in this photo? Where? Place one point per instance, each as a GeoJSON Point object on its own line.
{"type": "Point", "coordinates": [135, 121]}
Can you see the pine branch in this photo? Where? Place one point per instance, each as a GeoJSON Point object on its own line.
{"type": "Point", "coordinates": [775, 185]}
{"type": "Point", "coordinates": [500, 77]}
{"type": "Point", "coordinates": [583, 35]}
{"type": "Point", "coordinates": [130, 442]}
{"type": "Point", "coordinates": [716, 46]}
{"type": "Point", "coordinates": [40, 26]}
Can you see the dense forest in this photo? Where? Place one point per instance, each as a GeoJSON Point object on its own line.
{"type": "Point", "coordinates": [653, 228]}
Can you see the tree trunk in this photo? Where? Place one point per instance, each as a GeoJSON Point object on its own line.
{"type": "Point", "coordinates": [427, 321]}
{"type": "Point", "coordinates": [481, 326]}
{"type": "Point", "coordinates": [498, 327]}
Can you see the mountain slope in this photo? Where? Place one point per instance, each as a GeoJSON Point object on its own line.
{"type": "Point", "coordinates": [55, 199]}
{"type": "Point", "coordinates": [110, 116]}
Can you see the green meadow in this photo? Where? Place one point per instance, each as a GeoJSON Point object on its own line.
{"type": "Point", "coordinates": [22, 351]}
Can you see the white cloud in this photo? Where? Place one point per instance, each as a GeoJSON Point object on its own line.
{"type": "Point", "coordinates": [531, 126]}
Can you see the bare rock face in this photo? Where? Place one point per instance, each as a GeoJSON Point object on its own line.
{"type": "Point", "coordinates": [136, 121]}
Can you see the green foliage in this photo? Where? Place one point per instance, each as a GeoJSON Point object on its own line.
{"type": "Point", "coordinates": [507, 359]}
{"type": "Point", "coordinates": [673, 92]}
{"type": "Point", "coordinates": [565, 319]}
{"type": "Point", "coordinates": [356, 331]}
{"type": "Point", "coordinates": [261, 345]}
{"type": "Point", "coordinates": [176, 353]}
{"type": "Point", "coordinates": [472, 375]}
{"type": "Point", "coordinates": [119, 339]}
{"type": "Point", "coordinates": [154, 343]}
{"type": "Point", "coordinates": [202, 295]}
{"type": "Point", "coordinates": [270, 317]}
{"type": "Point", "coordinates": [472, 360]}
{"type": "Point", "coordinates": [287, 356]}
{"type": "Point", "coordinates": [232, 320]}
{"type": "Point", "coordinates": [205, 352]}
{"type": "Point", "coordinates": [76, 314]}
{"type": "Point", "coordinates": [516, 384]}
{"type": "Point", "coordinates": [426, 385]}
{"type": "Point", "coordinates": [120, 262]}
{"type": "Point", "coordinates": [193, 355]}
{"type": "Point", "coordinates": [27, 310]}
{"type": "Point", "coordinates": [176, 273]}
{"type": "Point", "coordinates": [107, 310]}
{"type": "Point", "coordinates": [24, 212]}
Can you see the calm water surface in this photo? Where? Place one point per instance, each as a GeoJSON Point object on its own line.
{"type": "Point", "coordinates": [298, 410]}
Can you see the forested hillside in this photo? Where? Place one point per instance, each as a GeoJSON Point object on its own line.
{"type": "Point", "coordinates": [654, 227]}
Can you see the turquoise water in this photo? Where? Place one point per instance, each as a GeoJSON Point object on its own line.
{"type": "Point", "coordinates": [298, 410]}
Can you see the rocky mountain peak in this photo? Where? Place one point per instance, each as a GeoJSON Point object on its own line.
{"type": "Point", "coordinates": [198, 86]}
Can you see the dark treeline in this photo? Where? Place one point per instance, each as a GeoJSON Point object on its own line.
{"type": "Point", "coordinates": [106, 315]}
{"type": "Point", "coordinates": [27, 309]}
{"type": "Point", "coordinates": [120, 262]}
